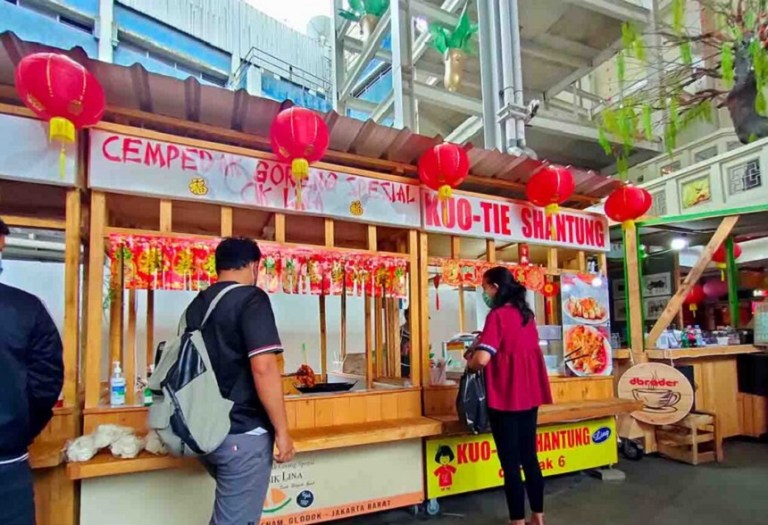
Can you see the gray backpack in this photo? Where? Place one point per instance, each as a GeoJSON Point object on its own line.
{"type": "Point", "coordinates": [188, 411]}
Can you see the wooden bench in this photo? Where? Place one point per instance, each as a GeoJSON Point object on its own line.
{"type": "Point", "coordinates": [694, 440]}
{"type": "Point", "coordinates": [306, 440]}
{"type": "Point", "coordinates": [558, 413]}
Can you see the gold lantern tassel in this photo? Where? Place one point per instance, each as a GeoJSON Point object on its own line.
{"type": "Point", "coordinates": [300, 172]}
{"type": "Point", "coordinates": [62, 130]}
{"type": "Point", "coordinates": [444, 194]}
{"type": "Point", "coordinates": [550, 210]}
{"type": "Point", "coordinates": [722, 270]}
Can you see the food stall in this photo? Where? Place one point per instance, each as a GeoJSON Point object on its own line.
{"type": "Point", "coordinates": [42, 205]}
{"type": "Point", "coordinates": [701, 313]}
{"type": "Point", "coordinates": [561, 260]}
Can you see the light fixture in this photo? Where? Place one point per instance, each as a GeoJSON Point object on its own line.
{"type": "Point", "coordinates": [597, 282]}
{"type": "Point", "coordinates": [678, 243]}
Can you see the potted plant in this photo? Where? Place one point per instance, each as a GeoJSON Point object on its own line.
{"type": "Point", "coordinates": [692, 72]}
{"type": "Point", "coordinates": [454, 44]}
{"type": "Point", "coordinates": [366, 13]}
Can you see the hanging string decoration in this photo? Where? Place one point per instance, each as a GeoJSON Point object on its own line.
{"type": "Point", "coordinates": [299, 136]}
{"type": "Point", "coordinates": [549, 188]}
{"type": "Point", "coordinates": [443, 168]}
{"type": "Point", "coordinates": [63, 93]}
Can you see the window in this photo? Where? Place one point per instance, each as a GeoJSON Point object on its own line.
{"type": "Point", "coordinates": [671, 168]}
{"type": "Point", "coordinates": [744, 177]}
{"type": "Point", "coordinates": [705, 154]}
{"type": "Point", "coordinates": [171, 62]}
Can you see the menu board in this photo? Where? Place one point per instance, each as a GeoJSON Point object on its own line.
{"type": "Point", "coordinates": [586, 324]}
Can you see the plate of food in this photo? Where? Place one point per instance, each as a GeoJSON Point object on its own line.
{"type": "Point", "coordinates": [587, 351]}
{"type": "Point", "coordinates": [586, 310]}
{"type": "Point", "coordinates": [308, 385]}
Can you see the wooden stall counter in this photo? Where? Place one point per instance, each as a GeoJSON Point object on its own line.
{"type": "Point", "coordinates": [703, 352]}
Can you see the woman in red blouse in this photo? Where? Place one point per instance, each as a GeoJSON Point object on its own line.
{"type": "Point", "coordinates": [517, 384]}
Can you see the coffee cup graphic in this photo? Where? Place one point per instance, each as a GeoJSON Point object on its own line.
{"type": "Point", "coordinates": [657, 399]}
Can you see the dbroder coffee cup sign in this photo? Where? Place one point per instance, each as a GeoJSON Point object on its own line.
{"type": "Point", "coordinates": [666, 394]}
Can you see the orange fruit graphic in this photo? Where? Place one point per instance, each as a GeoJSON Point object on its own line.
{"type": "Point", "coordinates": [276, 500]}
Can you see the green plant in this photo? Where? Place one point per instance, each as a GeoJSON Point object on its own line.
{"type": "Point", "coordinates": [690, 73]}
{"type": "Point", "coordinates": [460, 37]}
{"type": "Point", "coordinates": [360, 8]}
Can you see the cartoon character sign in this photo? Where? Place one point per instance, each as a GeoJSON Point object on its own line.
{"type": "Point", "coordinates": [445, 472]}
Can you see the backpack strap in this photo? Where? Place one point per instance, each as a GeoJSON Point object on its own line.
{"type": "Point", "coordinates": [216, 301]}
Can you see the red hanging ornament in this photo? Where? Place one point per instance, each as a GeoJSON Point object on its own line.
{"type": "Point", "coordinates": [720, 257]}
{"type": "Point", "coordinates": [694, 297]}
{"type": "Point", "coordinates": [549, 188]}
{"type": "Point", "coordinates": [550, 289]}
{"type": "Point", "coordinates": [63, 92]}
{"type": "Point", "coordinates": [299, 136]}
{"type": "Point", "coordinates": [443, 168]}
{"type": "Point", "coordinates": [627, 204]}
{"type": "Point", "coordinates": [436, 282]}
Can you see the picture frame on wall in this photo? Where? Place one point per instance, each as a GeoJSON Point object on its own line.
{"type": "Point", "coordinates": [653, 307]}
{"type": "Point", "coordinates": [619, 310]}
{"type": "Point", "coordinates": [618, 287]}
{"type": "Point", "coordinates": [657, 284]}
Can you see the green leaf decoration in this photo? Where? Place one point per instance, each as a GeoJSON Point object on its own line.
{"type": "Point", "coordinates": [750, 17]}
{"type": "Point", "coordinates": [639, 49]}
{"type": "Point", "coordinates": [621, 66]}
{"type": "Point", "coordinates": [357, 6]}
{"type": "Point", "coordinates": [439, 37]}
{"type": "Point", "coordinates": [686, 53]}
{"type": "Point", "coordinates": [602, 138]}
{"type": "Point", "coordinates": [648, 122]}
{"type": "Point", "coordinates": [622, 167]}
{"type": "Point", "coordinates": [674, 113]}
{"type": "Point", "coordinates": [628, 35]}
{"type": "Point", "coordinates": [610, 121]}
{"type": "Point", "coordinates": [349, 15]}
{"type": "Point", "coordinates": [726, 64]}
{"type": "Point", "coordinates": [678, 15]}
{"type": "Point", "coordinates": [752, 138]}
{"type": "Point", "coordinates": [760, 104]}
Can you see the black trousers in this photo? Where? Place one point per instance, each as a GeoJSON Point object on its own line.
{"type": "Point", "coordinates": [17, 500]}
{"type": "Point", "coordinates": [515, 437]}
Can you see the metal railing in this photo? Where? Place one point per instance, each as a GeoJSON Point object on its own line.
{"type": "Point", "coordinates": [272, 64]}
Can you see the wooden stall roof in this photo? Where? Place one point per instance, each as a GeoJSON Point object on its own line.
{"type": "Point", "coordinates": [186, 107]}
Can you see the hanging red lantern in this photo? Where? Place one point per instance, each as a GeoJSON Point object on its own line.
{"type": "Point", "coordinates": [63, 92]}
{"type": "Point", "coordinates": [549, 188]}
{"type": "Point", "coordinates": [694, 297]}
{"type": "Point", "coordinates": [720, 257]}
{"type": "Point", "coordinates": [299, 136]}
{"type": "Point", "coordinates": [627, 204]}
{"type": "Point", "coordinates": [715, 289]}
{"type": "Point", "coordinates": [443, 168]}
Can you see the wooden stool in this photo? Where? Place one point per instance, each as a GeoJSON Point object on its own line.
{"type": "Point", "coordinates": [696, 439]}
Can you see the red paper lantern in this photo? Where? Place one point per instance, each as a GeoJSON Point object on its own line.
{"type": "Point", "coordinates": [720, 257]}
{"type": "Point", "coordinates": [715, 289]}
{"type": "Point", "coordinates": [694, 297]}
{"type": "Point", "coordinates": [299, 136]}
{"type": "Point", "coordinates": [627, 204]}
{"type": "Point", "coordinates": [549, 188]}
{"type": "Point", "coordinates": [443, 168]}
{"type": "Point", "coordinates": [61, 91]}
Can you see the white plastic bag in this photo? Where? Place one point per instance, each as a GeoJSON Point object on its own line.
{"type": "Point", "coordinates": [153, 445]}
{"type": "Point", "coordinates": [127, 446]}
{"type": "Point", "coordinates": [105, 435]}
{"type": "Point", "coordinates": [81, 449]}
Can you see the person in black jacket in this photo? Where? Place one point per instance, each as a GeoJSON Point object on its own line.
{"type": "Point", "coordinates": [31, 377]}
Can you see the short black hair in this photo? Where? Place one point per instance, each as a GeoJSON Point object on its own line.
{"type": "Point", "coordinates": [444, 451]}
{"type": "Point", "coordinates": [235, 253]}
{"type": "Point", "coordinates": [4, 230]}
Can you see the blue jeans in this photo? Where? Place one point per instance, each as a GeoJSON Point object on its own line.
{"type": "Point", "coordinates": [16, 494]}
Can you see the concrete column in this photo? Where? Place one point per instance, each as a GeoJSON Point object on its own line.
{"type": "Point", "coordinates": [253, 81]}
{"type": "Point", "coordinates": [106, 30]}
{"type": "Point", "coordinates": [338, 67]}
{"type": "Point", "coordinates": [402, 65]}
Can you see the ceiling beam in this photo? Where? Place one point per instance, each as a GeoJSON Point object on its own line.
{"type": "Point", "coordinates": [623, 10]}
{"type": "Point", "coordinates": [384, 108]}
{"type": "Point", "coordinates": [556, 56]}
{"type": "Point", "coordinates": [369, 51]}
{"type": "Point", "coordinates": [446, 99]}
{"type": "Point", "coordinates": [356, 46]}
{"type": "Point", "coordinates": [582, 72]}
{"type": "Point", "coordinates": [361, 105]}
{"type": "Point", "coordinates": [433, 13]}
{"type": "Point", "coordinates": [465, 131]}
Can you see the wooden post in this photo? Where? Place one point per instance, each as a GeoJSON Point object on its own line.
{"type": "Point", "coordinates": [116, 312]}
{"type": "Point", "coordinates": [674, 304]}
{"type": "Point", "coordinates": [166, 216]}
{"type": "Point", "coordinates": [582, 261]}
{"type": "Point", "coordinates": [552, 262]}
{"type": "Point", "coordinates": [415, 305]}
{"type": "Point", "coordinates": [423, 310]}
{"type": "Point", "coordinates": [344, 323]}
{"type": "Point", "coordinates": [150, 350]}
{"type": "Point", "coordinates": [280, 227]}
{"type": "Point", "coordinates": [368, 344]}
{"type": "Point", "coordinates": [490, 251]}
{"type": "Point", "coordinates": [378, 336]}
{"type": "Point", "coordinates": [95, 298]}
{"type": "Point", "coordinates": [602, 261]}
{"type": "Point", "coordinates": [130, 351]}
{"type": "Point", "coordinates": [71, 296]}
{"type": "Point", "coordinates": [634, 301]}
{"type": "Point", "coordinates": [323, 340]}
{"type": "Point", "coordinates": [456, 254]}
{"type": "Point", "coordinates": [227, 226]}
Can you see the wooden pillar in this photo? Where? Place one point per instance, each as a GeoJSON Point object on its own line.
{"type": "Point", "coordinates": [634, 301]}
{"type": "Point", "coordinates": [456, 254]}
{"type": "Point", "coordinates": [280, 227]}
{"type": "Point", "coordinates": [369, 351]}
{"type": "Point", "coordinates": [95, 299]}
{"type": "Point", "coordinates": [423, 312]}
{"type": "Point", "coordinates": [71, 296]}
{"type": "Point", "coordinates": [227, 226]}
{"type": "Point", "coordinates": [416, 322]}
{"type": "Point", "coordinates": [129, 356]}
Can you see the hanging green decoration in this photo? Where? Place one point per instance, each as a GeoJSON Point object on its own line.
{"type": "Point", "coordinates": [648, 121]}
{"type": "Point", "coordinates": [678, 15]}
{"type": "Point", "coordinates": [686, 53]}
{"type": "Point", "coordinates": [726, 64]}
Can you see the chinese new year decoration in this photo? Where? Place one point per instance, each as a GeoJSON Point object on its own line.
{"type": "Point", "coordinates": [715, 289]}
{"type": "Point", "coordinates": [549, 188]}
{"type": "Point", "coordinates": [720, 257]}
{"type": "Point", "coordinates": [436, 281]}
{"type": "Point", "coordinates": [299, 136]}
{"type": "Point", "coordinates": [161, 263]}
{"type": "Point", "coordinates": [524, 253]}
{"type": "Point", "coordinates": [627, 204]}
{"type": "Point", "coordinates": [61, 91]}
{"type": "Point", "coordinates": [694, 297]}
{"type": "Point", "coordinates": [443, 168]}
{"type": "Point", "coordinates": [469, 272]}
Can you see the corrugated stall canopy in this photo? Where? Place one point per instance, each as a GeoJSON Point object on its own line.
{"type": "Point", "coordinates": [154, 101]}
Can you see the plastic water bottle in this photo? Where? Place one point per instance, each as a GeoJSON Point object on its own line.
{"type": "Point", "coordinates": [117, 386]}
{"type": "Point", "coordinates": [699, 337]}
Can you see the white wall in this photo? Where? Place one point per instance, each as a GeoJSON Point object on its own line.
{"type": "Point", "coordinates": [43, 279]}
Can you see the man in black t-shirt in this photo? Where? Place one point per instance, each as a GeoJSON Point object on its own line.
{"type": "Point", "coordinates": [243, 343]}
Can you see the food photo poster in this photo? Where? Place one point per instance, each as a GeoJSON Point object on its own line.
{"type": "Point", "coordinates": [586, 324]}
